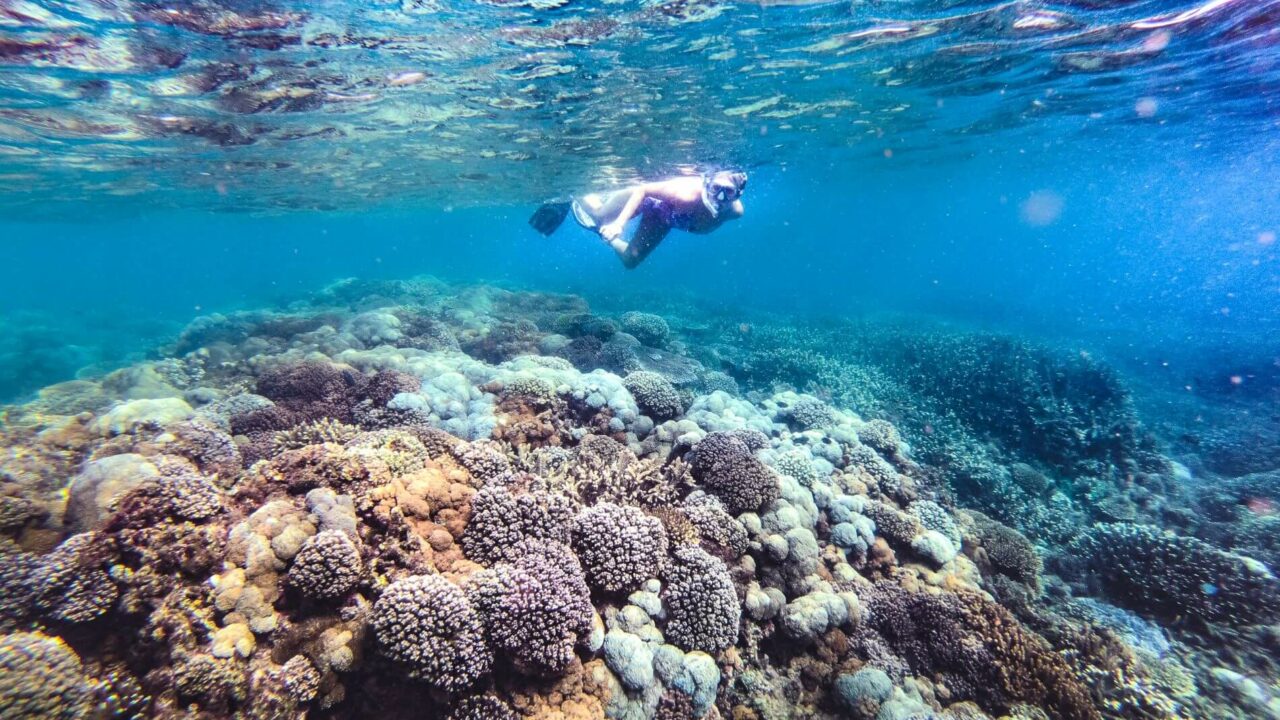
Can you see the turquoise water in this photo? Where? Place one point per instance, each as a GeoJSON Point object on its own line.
{"type": "Point", "coordinates": [1038, 238]}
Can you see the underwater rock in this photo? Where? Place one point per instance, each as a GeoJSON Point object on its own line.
{"type": "Point", "coordinates": [95, 492]}
{"type": "Point", "coordinates": [153, 413]}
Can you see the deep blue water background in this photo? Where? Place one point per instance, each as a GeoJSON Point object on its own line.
{"type": "Point", "coordinates": [1166, 257]}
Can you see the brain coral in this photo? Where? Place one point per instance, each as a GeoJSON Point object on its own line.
{"type": "Point", "coordinates": [729, 469]}
{"type": "Point", "coordinates": [655, 395]}
{"type": "Point", "coordinates": [427, 623]}
{"type": "Point", "coordinates": [328, 566]}
{"type": "Point", "coordinates": [41, 679]}
{"type": "Point", "coordinates": [1169, 575]}
{"type": "Point", "coordinates": [702, 606]}
{"type": "Point", "coordinates": [619, 546]}
{"type": "Point", "coordinates": [536, 607]}
{"type": "Point", "coordinates": [501, 518]}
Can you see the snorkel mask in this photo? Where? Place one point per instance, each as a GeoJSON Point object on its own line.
{"type": "Point", "coordinates": [720, 189]}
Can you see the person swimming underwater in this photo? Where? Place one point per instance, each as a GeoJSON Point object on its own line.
{"type": "Point", "coordinates": [698, 204]}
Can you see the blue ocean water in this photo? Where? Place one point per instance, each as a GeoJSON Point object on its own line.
{"type": "Point", "coordinates": [1098, 177]}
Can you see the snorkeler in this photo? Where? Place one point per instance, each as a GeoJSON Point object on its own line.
{"type": "Point", "coordinates": [696, 204]}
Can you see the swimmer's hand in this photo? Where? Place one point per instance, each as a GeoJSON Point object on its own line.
{"type": "Point", "coordinates": [611, 232]}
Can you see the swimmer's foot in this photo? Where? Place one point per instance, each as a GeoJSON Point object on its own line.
{"type": "Point", "coordinates": [583, 217]}
{"type": "Point", "coordinates": [548, 218]}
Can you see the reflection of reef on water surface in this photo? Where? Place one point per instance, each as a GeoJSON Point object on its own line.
{"type": "Point", "coordinates": [408, 499]}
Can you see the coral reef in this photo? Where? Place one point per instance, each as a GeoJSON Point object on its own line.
{"type": "Point", "coordinates": [409, 499]}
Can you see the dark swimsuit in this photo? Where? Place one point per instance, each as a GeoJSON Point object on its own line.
{"type": "Point", "coordinates": [664, 211]}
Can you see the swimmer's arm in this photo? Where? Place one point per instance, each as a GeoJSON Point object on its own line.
{"type": "Point", "coordinates": [613, 230]}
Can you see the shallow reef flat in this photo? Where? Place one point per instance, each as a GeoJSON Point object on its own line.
{"type": "Point", "coordinates": [412, 499]}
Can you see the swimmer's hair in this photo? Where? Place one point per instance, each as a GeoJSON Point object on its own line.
{"type": "Point", "coordinates": [738, 178]}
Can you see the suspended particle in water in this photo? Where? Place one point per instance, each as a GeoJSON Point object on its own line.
{"type": "Point", "coordinates": [1266, 237]}
{"type": "Point", "coordinates": [401, 79]}
{"type": "Point", "coordinates": [1041, 208]}
{"type": "Point", "coordinates": [1146, 107]}
{"type": "Point", "coordinates": [888, 153]}
{"type": "Point", "coordinates": [1261, 506]}
{"type": "Point", "coordinates": [1157, 41]}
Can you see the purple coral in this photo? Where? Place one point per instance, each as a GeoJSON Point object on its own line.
{"type": "Point", "coordinates": [427, 624]}
{"type": "Point", "coordinates": [730, 470]}
{"type": "Point", "coordinates": [75, 588]}
{"type": "Point", "coordinates": [327, 567]}
{"type": "Point", "coordinates": [703, 609]}
{"type": "Point", "coordinates": [501, 518]}
{"type": "Point", "coordinates": [655, 395]}
{"type": "Point", "coordinates": [619, 546]}
{"type": "Point", "coordinates": [535, 608]}
{"type": "Point", "coordinates": [1169, 575]}
{"type": "Point", "coordinates": [41, 679]}
{"type": "Point", "coordinates": [482, 707]}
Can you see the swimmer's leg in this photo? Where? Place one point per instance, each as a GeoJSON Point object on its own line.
{"type": "Point", "coordinates": [653, 229]}
{"type": "Point", "coordinates": [594, 210]}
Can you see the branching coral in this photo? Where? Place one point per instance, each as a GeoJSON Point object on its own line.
{"type": "Point", "coordinates": [655, 395]}
{"type": "Point", "coordinates": [41, 679]}
{"type": "Point", "coordinates": [728, 468]}
{"type": "Point", "coordinates": [427, 624]}
{"type": "Point", "coordinates": [481, 707]}
{"type": "Point", "coordinates": [607, 471]}
{"type": "Point", "coordinates": [978, 650]}
{"type": "Point", "coordinates": [316, 432]}
{"type": "Point", "coordinates": [649, 329]}
{"type": "Point", "coordinates": [1175, 576]}
{"type": "Point", "coordinates": [535, 607]}
{"type": "Point", "coordinates": [501, 518]}
{"type": "Point", "coordinates": [702, 605]}
{"type": "Point", "coordinates": [619, 547]}
{"type": "Point", "coordinates": [328, 566]}
{"type": "Point", "coordinates": [1008, 551]}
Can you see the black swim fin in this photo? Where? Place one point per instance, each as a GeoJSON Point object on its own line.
{"type": "Point", "coordinates": [550, 217]}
